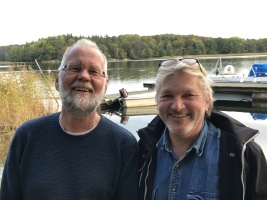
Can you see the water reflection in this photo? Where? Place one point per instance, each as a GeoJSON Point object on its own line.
{"type": "Point", "coordinates": [242, 106]}
{"type": "Point", "coordinates": [259, 116]}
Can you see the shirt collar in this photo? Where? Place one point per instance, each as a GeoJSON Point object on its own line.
{"type": "Point", "coordinates": [201, 139]}
{"type": "Point", "coordinates": [164, 141]}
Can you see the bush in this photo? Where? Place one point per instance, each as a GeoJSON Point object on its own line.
{"type": "Point", "coordinates": [25, 95]}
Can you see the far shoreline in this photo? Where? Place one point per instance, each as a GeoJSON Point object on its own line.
{"type": "Point", "coordinates": [241, 55]}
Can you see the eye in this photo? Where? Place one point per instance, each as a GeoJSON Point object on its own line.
{"type": "Point", "coordinates": [74, 68]}
{"type": "Point", "coordinates": [189, 96]}
{"type": "Point", "coordinates": [94, 72]}
{"type": "Point", "coordinates": [165, 96]}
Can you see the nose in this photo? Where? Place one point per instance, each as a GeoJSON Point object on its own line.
{"type": "Point", "coordinates": [177, 103]}
{"type": "Point", "coordinates": [84, 75]}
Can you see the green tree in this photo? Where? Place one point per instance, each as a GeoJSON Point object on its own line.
{"type": "Point", "coordinates": [194, 46]}
{"type": "Point", "coordinates": [210, 45]}
{"type": "Point", "coordinates": [16, 54]}
{"type": "Point", "coordinates": [179, 46]}
{"type": "Point", "coordinates": [236, 45]}
{"type": "Point", "coordinates": [223, 46]}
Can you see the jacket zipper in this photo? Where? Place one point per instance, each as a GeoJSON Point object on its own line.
{"type": "Point", "coordinates": [243, 162]}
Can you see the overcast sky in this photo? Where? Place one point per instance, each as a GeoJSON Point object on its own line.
{"type": "Point", "coordinates": [29, 20]}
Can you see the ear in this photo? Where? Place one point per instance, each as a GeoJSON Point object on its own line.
{"type": "Point", "coordinates": [56, 81]}
{"type": "Point", "coordinates": [106, 85]}
{"type": "Point", "coordinates": [207, 106]}
{"type": "Point", "coordinates": [156, 100]}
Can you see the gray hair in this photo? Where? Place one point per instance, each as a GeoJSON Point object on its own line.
{"type": "Point", "coordinates": [195, 69]}
{"type": "Point", "coordinates": [83, 42]}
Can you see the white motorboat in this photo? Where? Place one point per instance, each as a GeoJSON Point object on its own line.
{"type": "Point", "coordinates": [257, 73]}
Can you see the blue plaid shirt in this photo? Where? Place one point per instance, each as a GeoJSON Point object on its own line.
{"type": "Point", "coordinates": [194, 176]}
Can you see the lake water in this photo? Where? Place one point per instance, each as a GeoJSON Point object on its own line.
{"type": "Point", "coordinates": [132, 74]}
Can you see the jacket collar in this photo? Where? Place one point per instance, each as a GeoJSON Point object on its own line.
{"type": "Point", "coordinates": [151, 134]}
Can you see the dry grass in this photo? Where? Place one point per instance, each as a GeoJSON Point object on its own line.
{"type": "Point", "coordinates": [24, 95]}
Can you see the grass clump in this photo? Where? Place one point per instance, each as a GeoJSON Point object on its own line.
{"type": "Point", "coordinates": [25, 95]}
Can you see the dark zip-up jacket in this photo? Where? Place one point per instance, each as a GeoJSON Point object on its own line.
{"type": "Point", "coordinates": [243, 166]}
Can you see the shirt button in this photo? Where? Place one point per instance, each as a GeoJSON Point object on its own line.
{"type": "Point", "coordinates": [177, 166]}
{"type": "Point", "coordinates": [173, 189]}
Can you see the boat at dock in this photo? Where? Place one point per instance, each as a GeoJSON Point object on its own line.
{"type": "Point", "coordinates": [129, 99]}
{"type": "Point", "coordinates": [257, 73]}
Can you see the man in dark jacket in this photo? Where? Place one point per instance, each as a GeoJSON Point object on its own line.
{"type": "Point", "coordinates": [190, 150]}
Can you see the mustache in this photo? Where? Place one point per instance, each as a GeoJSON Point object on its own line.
{"type": "Point", "coordinates": [85, 85]}
{"type": "Point", "coordinates": [178, 114]}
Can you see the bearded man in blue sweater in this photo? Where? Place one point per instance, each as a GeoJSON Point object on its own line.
{"type": "Point", "coordinates": [75, 153]}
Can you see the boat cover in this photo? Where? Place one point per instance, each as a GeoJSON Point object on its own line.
{"type": "Point", "coordinates": [258, 69]}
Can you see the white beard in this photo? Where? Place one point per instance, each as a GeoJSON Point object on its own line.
{"type": "Point", "coordinates": [80, 105]}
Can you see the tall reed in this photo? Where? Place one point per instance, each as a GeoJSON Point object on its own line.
{"type": "Point", "coordinates": [24, 95]}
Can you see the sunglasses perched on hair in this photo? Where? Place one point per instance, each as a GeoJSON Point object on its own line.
{"type": "Point", "coordinates": [92, 71]}
{"type": "Point", "coordinates": [174, 62]}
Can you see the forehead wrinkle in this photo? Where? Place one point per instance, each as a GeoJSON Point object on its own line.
{"type": "Point", "coordinates": [168, 83]}
{"type": "Point", "coordinates": [85, 57]}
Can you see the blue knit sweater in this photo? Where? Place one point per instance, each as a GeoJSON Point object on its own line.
{"type": "Point", "coordinates": [46, 163]}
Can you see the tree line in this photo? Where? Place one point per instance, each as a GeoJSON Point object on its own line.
{"type": "Point", "coordinates": [132, 46]}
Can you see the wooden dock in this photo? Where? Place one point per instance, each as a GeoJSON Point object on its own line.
{"type": "Point", "coordinates": [257, 91]}
{"type": "Point", "coordinates": [141, 98]}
